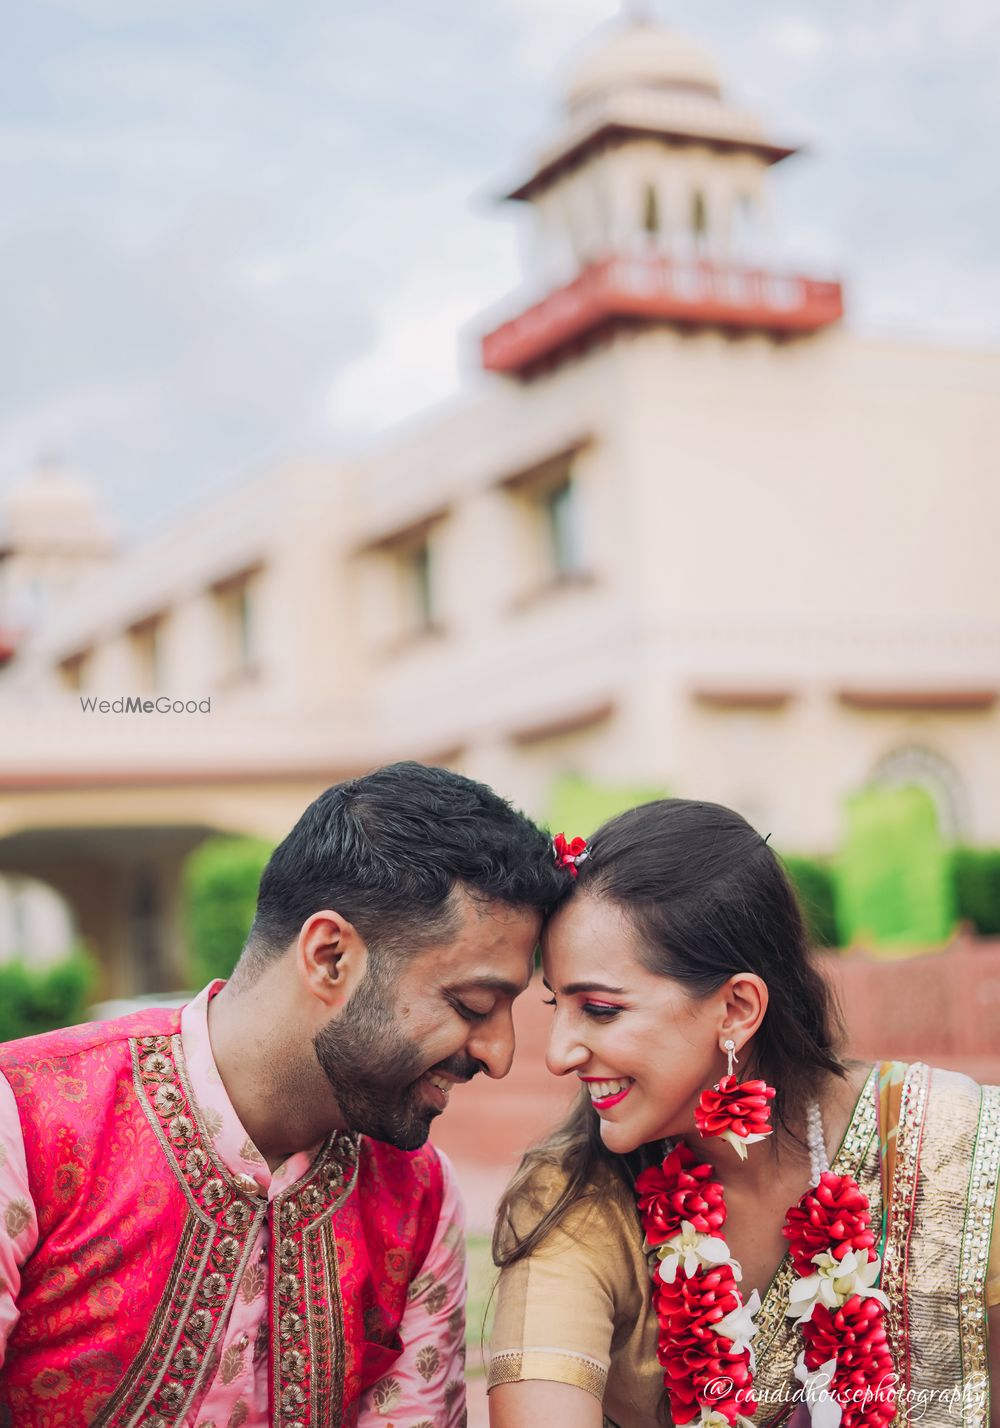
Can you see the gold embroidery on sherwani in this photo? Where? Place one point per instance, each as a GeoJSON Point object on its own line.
{"type": "Point", "coordinates": [778, 1341]}
{"type": "Point", "coordinates": [181, 1345]}
{"type": "Point", "coordinates": [976, 1238]}
{"type": "Point", "coordinates": [307, 1325]}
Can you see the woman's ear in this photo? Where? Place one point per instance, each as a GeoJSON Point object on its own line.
{"type": "Point", "coordinates": [743, 1009]}
{"type": "Point", "coordinates": [331, 957]}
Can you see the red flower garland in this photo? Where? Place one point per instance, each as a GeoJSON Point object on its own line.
{"type": "Point", "coordinates": [834, 1219]}
{"type": "Point", "coordinates": [680, 1190]}
{"type": "Point", "coordinates": [708, 1373]}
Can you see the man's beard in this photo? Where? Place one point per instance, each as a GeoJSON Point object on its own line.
{"type": "Point", "coordinates": [373, 1069]}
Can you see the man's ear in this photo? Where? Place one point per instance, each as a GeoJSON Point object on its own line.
{"type": "Point", "coordinates": [331, 957]}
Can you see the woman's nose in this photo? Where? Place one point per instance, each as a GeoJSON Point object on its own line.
{"type": "Point", "coordinates": [565, 1051]}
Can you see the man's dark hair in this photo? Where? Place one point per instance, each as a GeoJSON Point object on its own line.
{"type": "Point", "coordinates": [387, 851]}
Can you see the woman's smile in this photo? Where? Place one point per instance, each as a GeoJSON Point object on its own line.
{"type": "Point", "coordinates": [605, 1093]}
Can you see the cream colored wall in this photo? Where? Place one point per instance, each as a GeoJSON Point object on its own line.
{"type": "Point", "coordinates": [834, 477]}
{"type": "Point", "coordinates": [746, 527]}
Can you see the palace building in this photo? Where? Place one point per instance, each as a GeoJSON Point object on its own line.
{"type": "Point", "coordinates": [688, 530]}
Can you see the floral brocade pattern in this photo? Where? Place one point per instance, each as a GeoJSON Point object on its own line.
{"type": "Point", "coordinates": [108, 1224]}
{"type": "Point", "coordinates": [147, 1242]}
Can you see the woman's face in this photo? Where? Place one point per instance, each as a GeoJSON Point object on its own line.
{"type": "Point", "coordinates": [643, 1047]}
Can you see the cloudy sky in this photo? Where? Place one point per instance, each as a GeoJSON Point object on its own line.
{"type": "Point", "coordinates": [235, 231]}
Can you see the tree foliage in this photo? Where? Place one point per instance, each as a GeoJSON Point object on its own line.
{"type": "Point", "coordinates": [221, 878]}
{"type": "Point", "coordinates": [35, 999]}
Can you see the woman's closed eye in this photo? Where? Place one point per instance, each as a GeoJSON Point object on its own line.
{"type": "Point", "coordinates": [598, 1010]}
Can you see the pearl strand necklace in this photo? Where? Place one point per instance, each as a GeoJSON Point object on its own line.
{"type": "Point", "coordinates": [816, 1140]}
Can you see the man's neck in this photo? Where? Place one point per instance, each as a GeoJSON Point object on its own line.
{"type": "Point", "coordinates": [284, 1105]}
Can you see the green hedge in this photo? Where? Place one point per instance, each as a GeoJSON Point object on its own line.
{"type": "Point", "coordinates": [812, 879]}
{"type": "Point", "coordinates": [893, 873]}
{"type": "Point", "coordinates": [220, 896]}
{"type": "Point", "coordinates": [976, 873]}
{"type": "Point", "coordinates": [34, 999]}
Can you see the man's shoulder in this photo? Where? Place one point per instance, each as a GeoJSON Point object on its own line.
{"type": "Point", "coordinates": [75, 1041]}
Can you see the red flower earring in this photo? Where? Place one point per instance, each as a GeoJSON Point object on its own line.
{"type": "Point", "coordinates": [737, 1111]}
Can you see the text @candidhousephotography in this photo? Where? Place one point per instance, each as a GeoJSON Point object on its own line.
{"type": "Point", "coordinates": [132, 704]}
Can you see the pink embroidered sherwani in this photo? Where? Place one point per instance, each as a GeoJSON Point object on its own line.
{"type": "Point", "coordinates": [358, 1318]}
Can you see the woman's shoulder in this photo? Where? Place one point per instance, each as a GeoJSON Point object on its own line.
{"type": "Point", "coordinates": [598, 1205]}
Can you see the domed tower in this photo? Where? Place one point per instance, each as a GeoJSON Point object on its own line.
{"type": "Point", "coordinates": [650, 206]}
{"type": "Point", "coordinates": [51, 534]}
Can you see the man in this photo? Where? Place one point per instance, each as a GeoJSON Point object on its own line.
{"type": "Point", "coordinates": [227, 1215]}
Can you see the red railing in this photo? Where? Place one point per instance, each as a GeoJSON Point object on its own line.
{"type": "Point", "coordinates": [661, 289]}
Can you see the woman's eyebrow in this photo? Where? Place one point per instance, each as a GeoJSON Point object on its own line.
{"type": "Point", "coordinates": [574, 988]}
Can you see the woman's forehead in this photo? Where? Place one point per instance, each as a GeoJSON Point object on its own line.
{"type": "Point", "coordinates": [589, 932]}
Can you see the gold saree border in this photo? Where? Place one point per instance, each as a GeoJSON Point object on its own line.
{"type": "Point", "coordinates": [909, 1131]}
{"type": "Point", "coordinates": [555, 1365]}
{"type": "Point", "coordinates": [976, 1236]}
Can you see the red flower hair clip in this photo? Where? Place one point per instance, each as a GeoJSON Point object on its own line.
{"type": "Point", "coordinates": [569, 854]}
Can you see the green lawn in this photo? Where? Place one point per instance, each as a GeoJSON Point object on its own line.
{"type": "Point", "coordinates": [482, 1278]}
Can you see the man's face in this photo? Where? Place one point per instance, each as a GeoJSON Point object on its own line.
{"type": "Point", "coordinates": [402, 1042]}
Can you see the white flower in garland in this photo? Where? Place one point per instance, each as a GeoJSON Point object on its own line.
{"type": "Point", "coordinates": [710, 1419]}
{"type": "Point", "coordinates": [824, 1409]}
{"type": "Point", "coordinates": [690, 1250]}
{"type": "Point", "coordinates": [740, 1142]}
{"type": "Point", "coordinates": [833, 1282]}
{"type": "Point", "coordinates": [738, 1325]}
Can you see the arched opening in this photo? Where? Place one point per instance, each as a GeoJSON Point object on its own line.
{"type": "Point", "coordinates": [914, 764]}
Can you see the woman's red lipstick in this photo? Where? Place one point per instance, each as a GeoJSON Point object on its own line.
{"type": "Point", "coordinates": [604, 1102]}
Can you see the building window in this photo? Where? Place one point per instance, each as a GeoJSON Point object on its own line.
{"type": "Point", "coordinates": [400, 582]}
{"type": "Point", "coordinates": [560, 514]}
{"type": "Point", "coordinates": [416, 578]}
{"type": "Point", "coordinates": [650, 212]}
{"type": "Point", "coordinates": [74, 672]}
{"type": "Point", "coordinates": [146, 641]}
{"type": "Point", "coordinates": [236, 603]}
{"type": "Point", "coordinates": [418, 581]}
{"type": "Point", "coordinates": [549, 545]}
{"type": "Point", "coordinates": [699, 221]}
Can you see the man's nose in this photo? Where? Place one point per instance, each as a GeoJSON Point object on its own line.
{"type": "Point", "coordinates": [565, 1051]}
{"type": "Point", "coordinates": [492, 1044]}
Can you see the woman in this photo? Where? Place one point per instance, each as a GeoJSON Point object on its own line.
{"type": "Point", "coordinates": [678, 955]}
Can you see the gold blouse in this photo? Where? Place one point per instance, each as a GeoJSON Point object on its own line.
{"type": "Point", "coordinates": [578, 1310]}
